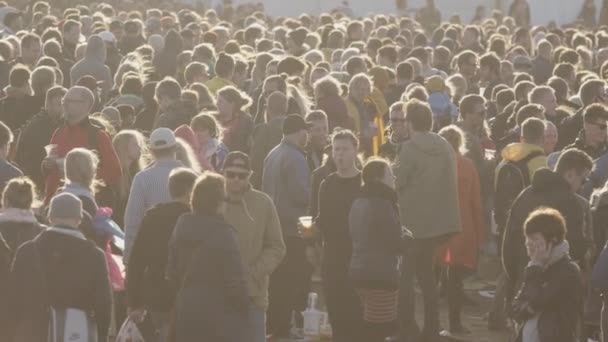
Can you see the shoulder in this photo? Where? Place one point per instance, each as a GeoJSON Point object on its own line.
{"type": "Point", "coordinates": [259, 196]}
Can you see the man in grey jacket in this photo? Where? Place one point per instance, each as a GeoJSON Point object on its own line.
{"type": "Point", "coordinates": [426, 184]}
{"type": "Point", "coordinates": [286, 179]}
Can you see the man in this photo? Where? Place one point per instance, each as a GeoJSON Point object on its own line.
{"type": "Point", "coordinates": [254, 216]}
{"type": "Point", "coordinates": [31, 50]}
{"type": "Point", "coordinates": [224, 70]}
{"type": "Point", "coordinates": [524, 113]}
{"type": "Point", "coordinates": [43, 79]}
{"type": "Point", "coordinates": [467, 66]}
{"type": "Point", "coordinates": [173, 112]}
{"type": "Point", "coordinates": [555, 190]}
{"type": "Point", "coordinates": [552, 289]}
{"type": "Point", "coordinates": [545, 96]}
{"type": "Point", "coordinates": [71, 38]}
{"type": "Point", "coordinates": [502, 123]}
{"type": "Point", "coordinates": [489, 73]}
{"type": "Point", "coordinates": [13, 23]}
{"type": "Point", "coordinates": [268, 135]}
{"type": "Point", "coordinates": [78, 131]}
{"type": "Point", "coordinates": [64, 257]}
{"type": "Point", "coordinates": [94, 64]}
{"type": "Point", "coordinates": [318, 138]}
{"type": "Point", "coordinates": [422, 55]}
{"type": "Point", "coordinates": [405, 76]}
{"type": "Point", "coordinates": [17, 95]}
{"type": "Point", "coordinates": [426, 185]}
{"type": "Point", "coordinates": [429, 16]}
{"type": "Point", "coordinates": [387, 57]}
{"type": "Point", "coordinates": [592, 138]}
{"type": "Point", "coordinates": [196, 72]}
{"type": "Point", "coordinates": [399, 134]}
{"type": "Point", "coordinates": [286, 180]}
{"type": "Point", "coordinates": [551, 137]}
{"type": "Point", "coordinates": [8, 171]}
{"type": "Point", "coordinates": [150, 186]}
{"type": "Point", "coordinates": [146, 285]}
{"type": "Point", "coordinates": [542, 65]}
{"type": "Point", "coordinates": [592, 91]}
{"type": "Point", "coordinates": [37, 133]}
{"type": "Point", "coordinates": [132, 38]}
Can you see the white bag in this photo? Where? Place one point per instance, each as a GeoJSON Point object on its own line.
{"type": "Point", "coordinates": [71, 325]}
{"type": "Point", "coordinates": [129, 332]}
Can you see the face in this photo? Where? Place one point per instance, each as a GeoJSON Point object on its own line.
{"type": "Point", "coordinates": [344, 153]}
{"type": "Point", "coordinates": [54, 108]}
{"type": "Point", "coordinates": [550, 103]}
{"type": "Point", "coordinates": [360, 91]}
{"type": "Point", "coordinates": [302, 138]}
{"type": "Point", "coordinates": [73, 35]}
{"type": "Point", "coordinates": [534, 240]}
{"type": "Point", "coordinates": [133, 150]}
{"type": "Point", "coordinates": [550, 139]}
{"type": "Point", "coordinates": [397, 119]}
{"type": "Point", "coordinates": [319, 133]}
{"type": "Point", "coordinates": [469, 38]}
{"type": "Point", "coordinates": [576, 179]}
{"type": "Point", "coordinates": [476, 117]}
{"type": "Point", "coordinates": [224, 107]}
{"type": "Point", "coordinates": [469, 68]}
{"type": "Point", "coordinates": [389, 178]}
{"type": "Point", "coordinates": [237, 180]}
{"type": "Point", "coordinates": [484, 73]}
{"type": "Point", "coordinates": [595, 132]}
{"type": "Point", "coordinates": [74, 107]}
{"type": "Point", "coordinates": [118, 33]}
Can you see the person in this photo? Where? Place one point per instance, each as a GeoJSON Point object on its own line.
{"type": "Point", "coordinates": [556, 190]}
{"type": "Point", "coordinates": [45, 270]}
{"type": "Point", "coordinates": [336, 196]}
{"type": "Point", "coordinates": [429, 16]}
{"type": "Point", "coordinates": [79, 131]}
{"type": "Point", "coordinates": [588, 14]}
{"type": "Point", "coordinates": [399, 134]}
{"type": "Point", "coordinates": [165, 61]}
{"type": "Point", "coordinates": [16, 96]}
{"type": "Point", "coordinates": [80, 167]}
{"type": "Point", "coordinates": [212, 302]}
{"type": "Point", "coordinates": [552, 289]}
{"type": "Point", "coordinates": [286, 179]}
{"type": "Point", "coordinates": [8, 170]}
{"type": "Point", "coordinates": [592, 138]}
{"type": "Point", "coordinates": [254, 216]}
{"type": "Point", "coordinates": [551, 137]}
{"type": "Point", "coordinates": [94, 65]}
{"type": "Point", "coordinates": [71, 31]}
{"type": "Point", "coordinates": [489, 73]}
{"type": "Point", "coordinates": [131, 149]}
{"type": "Point", "coordinates": [224, 70]}
{"type": "Point", "coordinates": [425, 171]}
{"type": "Point", "coordinates": [31, 50]}
{"type": "Point", "coordinates": [18, 224]}
{"type": "Point", "coordinates": [328, 98]}
{"type": "Point", "coordinates": [150, 186]}
{"type": "Point", "coordinates": [236, 123]}
{"type": "Point", "coordinates": [37, 133]}
{"type": "Point", "coordinates": [318, 138]}
{"type": "Point", "coordinates": [212, 152]}
{"type": "Point", "coordinates": [542, 65]}
{"type": "Point", "coordinates": [375, 229]}
{"type": "Point", "coordinates": [173, 112]}
{"type": "Point", "coordinates": [147, 116]}
{"type": "Point", "coordinates": [146, 286]}
{"type": "Point", "coordinates": [460, 252]}
{"type": "Point", "coordinates": [361, 110]}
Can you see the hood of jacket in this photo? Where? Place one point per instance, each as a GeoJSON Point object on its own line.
{"type": "Point", "coordinates": [546, 180]}
{"type": "Point", "coordinates": [518, 151]}
{"type": "Point", "coordinates": [429, 143]}
{"type": "Point", "coordinates": [96, 49]}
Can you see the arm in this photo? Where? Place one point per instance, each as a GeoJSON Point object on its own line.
{"type": "Point", "coordinates": [477, 207]}
{"type": "Point", "coordinates": [274, 246]}
{"type": "Point", "coordinates": [172, 273]}
{"type": "Point", "coordinates": [138, 262]}
{"type": "Point", "coordinates": [403, 168]}
{"type": "Point", "coordinates": [103, 296]}
{"type": "Point", "coordinates": [133, 214]}
{"type": "Point", "coordinates": [111, 170]}
{"type": "Point", "coordinates": [297, 175]}
{"type": "Point", "coordinates": [232, 270]}
{"type": "Point", "coordinates": [387, 218]}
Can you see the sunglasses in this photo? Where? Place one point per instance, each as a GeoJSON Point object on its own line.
{"type": "Point", "coordinates": [237, 175]}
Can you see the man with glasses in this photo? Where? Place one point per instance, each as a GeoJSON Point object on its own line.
{"type": "Point", "coordinates": [592, 139]}
{"type": "Point", "coordinates": [78, 131]}
{"type": "Point", "coordinates": [399, 133]}
{"type": "Point", "coordinates": [254, 216]}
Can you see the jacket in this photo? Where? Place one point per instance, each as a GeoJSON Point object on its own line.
{"type": "Point", "coordinates": [212, 303]}
{"type": "Point", "coordinates": [68, 138]}
{"type": "Point", "coordinates": [145, 119]}
{"type": "Point", "coordinates": [462, 248]}
{"type": "Point", "coordinates": [337, 112]}
{"type": "Point", "coordinates": [177, 114]}
{"type": "Point", "coordinates": [18, 226]}
{"type": "Point", "coordinates": [551, 298]}
{"type": "Point", "coordinates": [94, 64]}
{"type": "Point", "coordinates": [237, 133]}
{"type": "Point", "coordinates": [215, 84]}
{"type": "Point", "coordinates": [286, 180]}
{"type": "Point", "coordinates": [542, 70]}
{"type": "Point", "coordinates": [375, 230]}
{"type": "Point", "coordinates": [165, 62]}
{"type": "Point", "coordinates": [427, 186]}
{"type": "Point", "coordinates": [548, 189]}
{"type": "Point", "coordinates": [266, 136]}
{"type": "Point", "coordinates": [8, 171]}
{"type": "Point", "coordinates": [17, 109]}
{"type": "Point", "coordinates": [75, 275]}
{"type": "Point", "coordinates": [594, 152]}
{"type": "Point", "coordinates": [146, 284]}
{"type": "Point", "coordinates": [569, 129]}
{"type": "Point", "coordinates": [260, 241]}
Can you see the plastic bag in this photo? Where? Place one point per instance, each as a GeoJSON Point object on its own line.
{"type": "Point", "coordinates": [129, 332]}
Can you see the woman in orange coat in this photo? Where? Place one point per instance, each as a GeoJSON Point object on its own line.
{"type": "Point", "coordinates": [460, 252]}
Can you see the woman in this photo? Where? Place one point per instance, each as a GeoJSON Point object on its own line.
{"type": "Point", "coordinates": [376, 233]}
{"type": "Point", "coordinates": [144, 121]}
{"type": "Point", "coordinates": [204, 136]}
{"type": "Point", "coordinates": [328, 98]}
{"type": "Point", "coordinates": [362, 111]}
{"type": "Point", "coordinates": [460, 253]}
{"type": "Point", "coordinates": [185, 154]}
{"type": "Point", "coordinates": [80, 172]}
{"type": "Point", "coordinates": [205, 263]}
{"type": "Point", "coordinates": [18, 223]}
{"type": "Point", "coordinates": [271, 84]}
{"type": "Point", "coordinates": [130, 147]}
{"type": "Point", "coordinates": [336, 196]}
{"type": "Point", "coordinates": [235, 122]}
{"type": "Point", "coordinates": [520, 11]}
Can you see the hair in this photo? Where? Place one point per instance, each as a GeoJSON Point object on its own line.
{"type": "Point", "coordinates": [405, 70]}
{"type": "Point", "coordinates": [54, 92]}
{"type": "Point", "coordinates": [594, 112]}
{"type": "Point", "coordinates": [559, 86]}
{"type": "Point", "coordinates": [539, 92]}
{"type": "Point", "coordinates": [573, 159]}
{"type": "Point", "coordinates": [468, 103]}
{"type": "Point", "coordinates": [29, 39]}
{"type": "Point", "coordinates": [240, 99]}
{"type": "Point", "coordinates": [121, 145]}
{"type": "Point", "coordinates": [455, 136]}
{"type": "Point", "coordinates": [19, 193]}
{"type": "Point", "coordinates": [589, 91]}
{"type": "Point", "coordinates": [181, 182]}
{"type": "Point", "coordinates": [193, 70]}
{"type": "Point", "coordinates": [533, 131]}
{"type": "Point", "coordinates": [168, 87]}
{"type": "Point", "coordinates": [529, 111]}
{"type": "Point", "coordinates": [548, 222]}
{"type": "Point", "coordinates": [186, 155]}
{"type": "Point", "coordinates": [327, 86]}
{"type": "Point", "coordinates": [131, 85]}
{"type": "Point", "coordinates": [6, 135]}
{"type": "Point", "coordinates": [19, 76]}
{"type": "Point", "coordinates": [277, 105]}
{"type": "Point", "coordinates": [80, 168]}
{"type": "Point", "coordinates": [374, 170]}
{"type": "Point", "coordinates": [224, 66]}
{"type": "Point", "coordinates": [315, 115]}
{"type": "Point", "coordinates": [419, 115]}
{"type": "Point", "coordinates": [208, 194]}
{"type": "Point", "coordinates": [491, 61]}
{"type": "Point", "coordinates": [360, 78]}
{"type": "Point", "coordinates": [345, 134]}
{"type": "Point", "coordinates": [504, 97]}
{"type": "Point", "coordinates": [521, 90]}
{"type": "Point", "coordinates": [205, 99]}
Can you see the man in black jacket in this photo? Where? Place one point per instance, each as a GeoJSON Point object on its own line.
{"type": "Point", "coordinates": [147, 288]}
{"type": "Point", "coordinates": [549, 304]}
{"type": "Point", "coordinates": [592, 138]}
{"type": "Point", "coordinates": [555, 190]}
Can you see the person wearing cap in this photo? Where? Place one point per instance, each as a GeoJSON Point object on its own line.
{"type": "Point", "coordinates": [70, 272]}
{"type": "Point", "coordinates": [254, 216]}
{"type": "Point", "coordinates": [286, 179]}
{"type": "Point", "coordinates": [150, 186]}
{"type": "Point", "coordinates": [79, 131]}
{"type": "Point", "coordinates": [94, 64]}
{"type": "Point", "coordinates": [146, 286]}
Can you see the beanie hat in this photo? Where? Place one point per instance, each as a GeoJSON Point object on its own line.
{"type": "Point", "coordinates": [66, 206]}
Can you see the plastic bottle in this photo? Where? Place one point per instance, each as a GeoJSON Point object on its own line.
{"type": "Point", "coordinates": [313, 319]}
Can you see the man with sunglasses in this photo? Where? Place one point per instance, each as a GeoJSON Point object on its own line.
{"type": "Point", "coordinates": [254, 216]}
{"type": "Point", "coordinates": [592, 138]}
{"type": "Point", "coordinates": [399, 133]}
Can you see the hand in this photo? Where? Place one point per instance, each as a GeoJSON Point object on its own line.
{"type": "Point", "coordinates": [541, 253]}
{"type": "Point", "coordinates": [137, 315]}
{"type": "Point", "coordinates": [307, 233]}
{"type": "Point", "coordinates": [50, 164]}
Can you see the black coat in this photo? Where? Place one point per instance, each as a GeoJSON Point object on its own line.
{"type": "Point", "coordinates": [569, 130]}
{"type": "Point", "coordinates": [592, 151]}
{"type": "Point", "coordinates": [147, 286]}
{"type": "Point", "coordinates": [16, 111]}
{"type": "Point", "coordinates": [17, 233]}
{"type": "Point", "coordinates": [212, 303]}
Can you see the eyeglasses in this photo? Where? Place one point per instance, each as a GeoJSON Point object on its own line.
{"type": "Point", "coordinates": [237, 175]}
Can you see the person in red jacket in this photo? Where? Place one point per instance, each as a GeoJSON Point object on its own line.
{"type": "Point", "coordinates": [78, 131]}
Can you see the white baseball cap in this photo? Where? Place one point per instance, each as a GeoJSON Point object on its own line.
{"type": "Point", "coordinates": [162, 138]}
{"type": "Point", "coordinates": [107, 36]}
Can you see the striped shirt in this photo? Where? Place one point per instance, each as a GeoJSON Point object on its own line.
{"type": "Point", "coordinates": [150, 187]}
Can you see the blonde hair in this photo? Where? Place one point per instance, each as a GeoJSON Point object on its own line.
{"type": "Point", "coordinates": [185, 154]}
{"type": "Point", "coordinates": [121, 145]}
{"type": "Point", "coordinates": [81, 168]}
{"type": "Point", "coordinates": [19, 193]}
{"type": "Point", "coordinates": [454, 135]}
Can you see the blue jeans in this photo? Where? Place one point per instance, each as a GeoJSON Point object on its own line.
{"type": "Point", "coordinates": [257, 316]}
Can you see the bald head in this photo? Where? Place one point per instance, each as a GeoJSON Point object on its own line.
{"type": "Point", "coordinates": [77, 104]}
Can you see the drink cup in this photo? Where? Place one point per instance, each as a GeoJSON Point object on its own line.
{"type": "Point", "coordinates": [306, 221]}
{"type": "Point", "coordinates": [51, 150]}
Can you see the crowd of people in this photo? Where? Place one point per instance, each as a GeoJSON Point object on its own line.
{"type": "Point", "coordinates": [189, 169]}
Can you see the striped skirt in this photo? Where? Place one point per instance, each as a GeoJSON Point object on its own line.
{"type": "Point", "coordinates": [379, 306]}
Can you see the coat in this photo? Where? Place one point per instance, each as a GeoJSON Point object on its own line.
{"type": "Point", "coordinates": [427, 186]}
{"type": "Point", "coordinates": [177, 114]}
{"type": "Point", "coordinates": [462, 248]}
{"type": "Point", "coordinates": [212, 303]}
{"type": "Point", "coordinates": [18, 226]}
{"type": "Point", "coordinates": [337, 112]}
{"type": "Point", "coordinates": [17, 109]}
{"type": "Point", "coordinates": [94, 64]}
{"type": "Point", "coordinates": [237, 133]}
{"type": "Point", "coordinates": [266, 136]}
